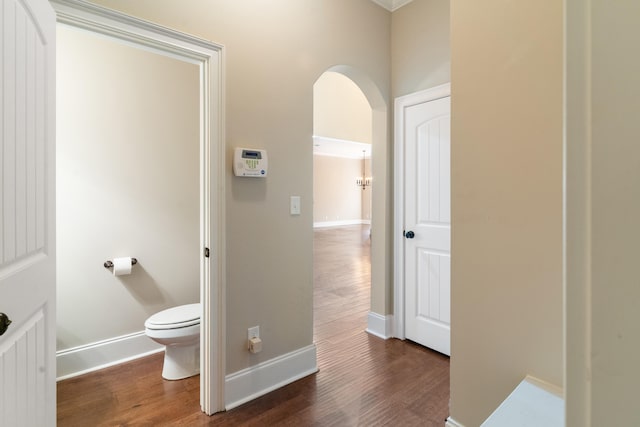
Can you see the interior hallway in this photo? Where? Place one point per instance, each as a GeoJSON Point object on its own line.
{"type": "Point", "coordinates": [363, 380]}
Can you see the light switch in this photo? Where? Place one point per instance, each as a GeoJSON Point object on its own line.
{"type": "Point", "coordinates": [295, 205]}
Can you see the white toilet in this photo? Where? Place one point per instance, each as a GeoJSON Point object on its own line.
{"type": "Point", "coordinates": [178, 329]}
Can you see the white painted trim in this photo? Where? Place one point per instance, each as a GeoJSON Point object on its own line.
{"type": "Point", "coordinates": [342, 148]}
{"type": "Point", "coordinates": [339, 140]}
{"type": "Point", "coordinates": [84, 15]}
{"type": "Point", "coordinates": [545, 385]}
{"type": "Point", "coordinates": [102, 354]}
{"type": "Point", "coordinates": [209, 57]}
{"type": "Point", "coordinates": [258, 380]}
{"type": "Point", "coordinates": [401, 103]}
{"type": "Point", "coordinates": [325, 224]}
{"type": "Point", "coordinates": [379, 325]}
{"type": "Point", "coordinates": [392, 5]}
{"type": "Point", "coordinates": [452, 423]}
{"type": "Point", "coordinates": [340, 156]}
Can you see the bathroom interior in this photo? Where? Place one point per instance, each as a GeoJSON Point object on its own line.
{"type": "Point", "coordinates": [128, 186]}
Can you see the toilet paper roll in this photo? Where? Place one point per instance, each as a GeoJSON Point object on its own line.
{"type": "Point", "coordinates": [122, 266]}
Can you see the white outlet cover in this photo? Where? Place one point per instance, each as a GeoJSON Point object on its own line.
{"type": "Point", "coordinates": [253, 332]}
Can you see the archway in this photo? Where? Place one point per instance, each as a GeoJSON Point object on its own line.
{"type": "Point", "coordinates": [379, 318]}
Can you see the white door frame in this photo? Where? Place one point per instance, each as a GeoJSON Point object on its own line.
{"type": "Point", "coordinates": [401, 104]}
{"type": "Point", "coordinates": [209, 58]}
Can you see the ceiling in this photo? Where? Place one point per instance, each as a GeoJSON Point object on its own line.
{"type": "Point", "coordinates": [392, 5]}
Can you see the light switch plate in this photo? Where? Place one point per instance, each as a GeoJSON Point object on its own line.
{"type": "Point", "coordinates": [295, 205]}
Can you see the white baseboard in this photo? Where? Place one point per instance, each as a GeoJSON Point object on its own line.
{"type": "Point", "coordinates": [452, 423]}
{"type": "Point", "coordinates": [91, 357]}
{"type": "Point", "coordinates": [379, 325]}
{"type": "Point", "coordinates": [253, 382]}
{"type": "Point", "coordinates": [324, 224]}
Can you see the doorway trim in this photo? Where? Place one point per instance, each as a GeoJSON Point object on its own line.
{"type": "Point", "coordinates": [401, 104]}
{"type": "Point", "coordinates": [209, 58]}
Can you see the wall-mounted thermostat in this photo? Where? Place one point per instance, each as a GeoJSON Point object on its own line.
{"type": "Point", "coordinates": [250, 162]}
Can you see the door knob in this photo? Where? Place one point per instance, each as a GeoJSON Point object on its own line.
{"type": "Point", "coordinates": [409, 235]}
{"type": "Point", "coordinates": [4, 323]}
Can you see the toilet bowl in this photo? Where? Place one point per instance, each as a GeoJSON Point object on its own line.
{"type": "Point", "coordinates": [178, 329]}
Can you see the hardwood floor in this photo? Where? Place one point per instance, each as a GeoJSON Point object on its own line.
{"type": "Point", "coordinates": [363, 380]}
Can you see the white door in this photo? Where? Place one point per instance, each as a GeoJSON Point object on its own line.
{"type": "Point", "coordinates": [27, 209]}
{"type": "Point", "coordinates": [427, 223]}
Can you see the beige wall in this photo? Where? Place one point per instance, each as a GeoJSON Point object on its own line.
{"type": "Point", "coordinates": [127, 185]}
{"type": "Point", "coordinates": [615, 176]}
{"type": "Point", "coordinates": [603, 320]}
{"type": "Point", "coordinates": [340, 109]}
{"type": "Point", "coordinates": [577, 226]}
{"type": "Point", "coordinates": [336, 197]}
{"type": "Point", "coordinates": [507, 130]}
{"type": "Point", "coordinates": [275, 51]}
{"type": "Point", "coordinates": [420, 52]}
{"type": "Point", "coordinates": [366, 194]}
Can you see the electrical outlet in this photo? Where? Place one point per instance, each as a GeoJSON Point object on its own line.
{"type": "Point", "coordinates": [253, 332]}
{"type": "Point", "coordinates": [254, 343]}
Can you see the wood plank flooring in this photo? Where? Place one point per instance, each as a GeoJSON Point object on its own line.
{"type": "Point", "coordinates": [363, 380]}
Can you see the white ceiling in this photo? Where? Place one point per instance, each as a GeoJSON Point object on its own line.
{"type": "Point", "coordinates": [323, 146]}
{"type": "Point", "coordinates": [392, 5]}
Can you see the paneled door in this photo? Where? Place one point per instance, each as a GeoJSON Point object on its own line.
{"type": "Point", "coordinates": [27, 210]}
{"type": "Point", "coordinates": [427, 223]}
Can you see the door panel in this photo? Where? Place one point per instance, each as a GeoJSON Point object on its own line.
{"type": "Point", "coordinates": [433, 279]}
{"type": "Point", "coordinates": [27, 224]}
{"type": "Point", "coordinates": [428, 215]}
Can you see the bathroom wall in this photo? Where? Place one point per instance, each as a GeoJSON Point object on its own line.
{"type": "Point", "coordinates": [336, 197]}
{"type": "Point", "coordinates": [274, 53]}
{"type": "Point", "coordinates": [127, 153]}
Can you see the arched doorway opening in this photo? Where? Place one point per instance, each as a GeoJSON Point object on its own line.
{"type": "Point", "coordinates": [372, 131]}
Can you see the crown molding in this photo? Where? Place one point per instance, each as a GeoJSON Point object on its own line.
{"type": "Point", "coordinates": [392, 5]}
{"type": "Point", "coordinates": [333, 147]}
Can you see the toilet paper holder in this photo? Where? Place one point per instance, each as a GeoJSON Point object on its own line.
{"type": "Point", "coordinates": [109, 263]}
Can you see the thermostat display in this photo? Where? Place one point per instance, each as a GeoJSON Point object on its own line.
{"type": "Point", "coordinates": [250, 162]}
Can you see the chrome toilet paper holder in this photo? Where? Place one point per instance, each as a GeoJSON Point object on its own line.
{"type": "Point", "coordinates": [109, 263]}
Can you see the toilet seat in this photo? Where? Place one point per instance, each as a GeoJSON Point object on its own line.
{"type": "Point", "coordinates": [175, 317]}
{"type": "Point", "coordinates": [178, 330]}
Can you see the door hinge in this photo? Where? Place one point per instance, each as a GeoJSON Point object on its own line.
{"type": "Point", "coordinates": [206, 252]}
